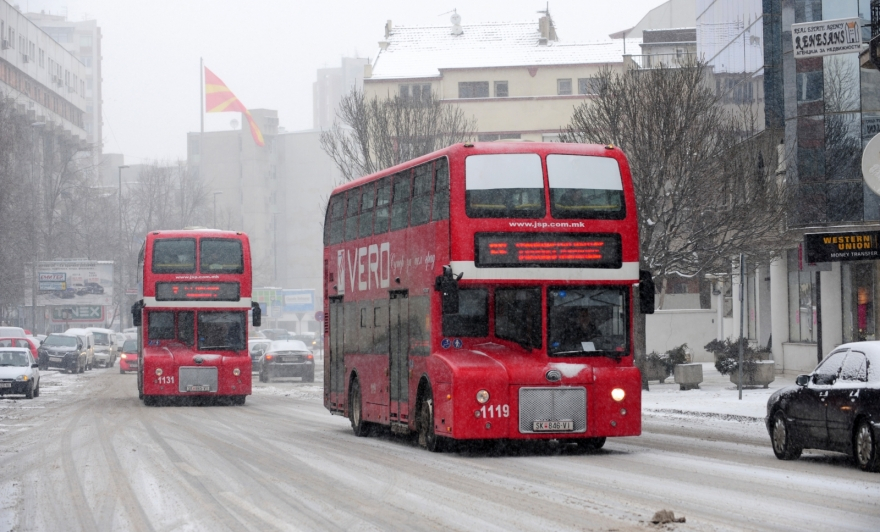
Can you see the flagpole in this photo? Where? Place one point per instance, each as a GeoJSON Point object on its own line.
{"type": "Point", "coordinates": [201, 100]}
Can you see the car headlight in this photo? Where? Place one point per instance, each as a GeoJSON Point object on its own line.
{"type": "Point", "coordinates": [123, 355]}
{"type": "Point", "coordinates": [22, 378]}
{"type": "Point", "coordinates": [482, 397]}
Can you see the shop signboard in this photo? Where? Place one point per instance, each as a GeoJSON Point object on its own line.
{"type": "Point", "coordinates": [826, 37]}
{"type": "Point", "coordinates": [78, 313]}
{"type": "Point", "coordinates": [842, 246]}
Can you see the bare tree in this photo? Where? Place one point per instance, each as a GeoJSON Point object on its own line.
{"type": "Point", "coordinates": [704, 176]}
{"type": "Point", "coordinates": [372, 134]}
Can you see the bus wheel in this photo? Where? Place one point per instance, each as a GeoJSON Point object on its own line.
{"type": "Point", "coordinates": [428, 439]}
{"type": "Point", "coordinates": [150, 400]}
{"type": "Point", "coordinates": [355, 411]}
{"type": "Point", "coordinates": [238, 399]}
{"type": "Point", "coordinates": [590, 444]}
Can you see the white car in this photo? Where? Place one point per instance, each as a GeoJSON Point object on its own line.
{"type": "Point", "coordinates": [12, 332]}
{"type": "Point", "coordinates": [19, 373]}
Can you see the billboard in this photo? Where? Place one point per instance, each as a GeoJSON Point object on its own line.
{"type": "Point", "coordinates": [72, 283]}
{"type": "Point", "coordinates": [299, 300]}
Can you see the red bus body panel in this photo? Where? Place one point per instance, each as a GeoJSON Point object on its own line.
{"type": "Point", "coordinates": [368, 269]}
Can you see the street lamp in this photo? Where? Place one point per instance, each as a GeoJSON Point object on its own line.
{"type": "Point", "coordinates": [34, 218]}
{"type": "Point", "coordinates": [215, 206]}
{"type": "Point", "coordinates": [119, 251]}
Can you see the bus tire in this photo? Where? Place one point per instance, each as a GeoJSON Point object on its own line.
{"type": "Point", "coordinates": [150, 400]}
{"type": "Point", "coordinates": [428, 439]}
{"type": "Point", "coordinates": [238, 400]}
{"type": "Point", "coordinates": [355, 411]}
{"type": "Point", "coordinates": [590, 444]}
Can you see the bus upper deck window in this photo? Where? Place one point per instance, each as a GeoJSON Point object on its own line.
{"type": "Point", "coordinates": [220, 255]}
{"type": "Point", "coordinates": [505, 185]}
{"type": "Point", "coordinates": [174, 255]}
{"type": "Point", "coordinates": [585, 187]}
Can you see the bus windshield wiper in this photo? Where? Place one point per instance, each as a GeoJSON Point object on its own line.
{"type": "Point", "coordinates": [609, 354]}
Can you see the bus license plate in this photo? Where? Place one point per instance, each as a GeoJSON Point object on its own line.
{"type": "Point", "coordinates": [5, 385]}
{"type": "Point", "coordinates": [552, 426]}
{"type": "Point", "coordinates": [56, 359]}
{"type": "Point", "coordinates": [198, 388]}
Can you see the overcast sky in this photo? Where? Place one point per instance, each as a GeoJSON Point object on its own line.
{"type": "Point", "coordinates": [267, 52]}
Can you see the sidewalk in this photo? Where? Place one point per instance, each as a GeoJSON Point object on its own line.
{"type": "Point", "coordinates": [717, 395]}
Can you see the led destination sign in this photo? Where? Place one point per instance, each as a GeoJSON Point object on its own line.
{"type": "Point", "coordinates": [197, 292]}
{"type": "Point", "coordinates": [576, 250]}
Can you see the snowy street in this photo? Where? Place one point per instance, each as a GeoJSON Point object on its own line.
{"type": "Point", "coordinates": [87, 455]}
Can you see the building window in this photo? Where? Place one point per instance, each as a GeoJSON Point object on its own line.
{"type": "Point", "coordinates": [489, 137]}
{"type": "Point", "coordinates": [417, 92]}
{"type": "Point", "coordinates": [809, 86]}
{"type": "Point", "coordinates": [801, 301]}
{"type": "Point", "coordinates": [473, 89]}
{"type": "Point", "coordinates": [42, 58]}
{"type": "Point", "coordinates": [85, 40]}
{"type": "Point", "coordinates": [589, 85]}
{"type": "Point", "coordinates": [563, 86]}
{"type": "Point", "coordinates": [501, 89]}
{"type": "Point", "coordinates": [86, 60]}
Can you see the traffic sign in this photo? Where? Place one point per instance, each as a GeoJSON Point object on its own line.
{"type": "Point", "coordinates": [871, 164]}
{"type": "Point", "coordinates": [319, 316]}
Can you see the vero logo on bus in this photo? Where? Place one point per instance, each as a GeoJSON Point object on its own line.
{"type": "Point", "coordinates": [364, 268]}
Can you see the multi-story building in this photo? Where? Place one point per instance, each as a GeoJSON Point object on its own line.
{"type": "Point", "coordinates": [46, 81]}
{"type": "Point", "coordinates": [517, 79]}
{"type": "Point", "coordinates": [83, 40]}
{"type": "Point", "coordinates": [331, 85]}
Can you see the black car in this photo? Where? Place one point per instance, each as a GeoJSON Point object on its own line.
{"type": "Point", "coordinates": [65, 351]}
{"type": "Point", "coordinates": [834, 408]}
{"type": "Point", "coordinates": [287, 358]}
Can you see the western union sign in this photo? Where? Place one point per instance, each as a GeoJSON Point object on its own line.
{"type": "Point", "coordinates": [837, 247]}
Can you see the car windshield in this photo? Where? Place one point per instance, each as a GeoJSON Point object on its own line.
{"type": "Point", "coordinates": [101, 338]}
{"type": "Point", "coordinates": [586, 321]}
{"type": "Point", "coordinates": [130, 346]}
{"type": "Point", "coordinates": [14, 358]}
{"type": "Point", "coordinates": [60, 341]}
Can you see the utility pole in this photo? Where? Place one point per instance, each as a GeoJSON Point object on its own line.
{"type": "Point", "coordinates": [121, 287]}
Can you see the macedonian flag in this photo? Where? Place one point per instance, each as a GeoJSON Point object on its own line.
{"type": "Point", "coordinates": [219, 99]}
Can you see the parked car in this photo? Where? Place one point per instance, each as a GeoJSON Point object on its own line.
{"type": "Point", "coordinates": [256, 348]}
{"type": "Point", "coordinates": [19, 372]}
{"type": "Point", "coordinates": [26, 342]}
{"type": "Point", "coordinates": [834, 408]}
{"type": "Point", "coordinates": [128, 358]}
{"type": "Point", "coordinates": [120, 339]}
{"type": "Point", "coordinates": [106, 348]}
{"type": "Point", "coordinates": [65, 351]}
{"type": "Point", "coordinates": [88, 340]}
{"type": "Point", "coordinates": [12, 332]}
{"type": "Point", "coordinates": [287, 358]}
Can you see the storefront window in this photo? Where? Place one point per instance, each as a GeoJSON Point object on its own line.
{"type": "Point", "coordinates": [801, 302]}
{"type": "Point", "coordinates": [859, 319]}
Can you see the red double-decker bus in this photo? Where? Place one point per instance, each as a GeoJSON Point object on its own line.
{"type": "Point", "coordinates": [486, 291]}
{"type": "Point", "coordinates": [195, 287]}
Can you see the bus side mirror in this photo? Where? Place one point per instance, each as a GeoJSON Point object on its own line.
{"type": "Point", "coordinates": [136, 310]}
{"type": "Point", "coordinates": [646, 292]}
{"type": "Point", "coordinates": [447, 285]}
{"type": "Point", "coordinates": [257, 313]}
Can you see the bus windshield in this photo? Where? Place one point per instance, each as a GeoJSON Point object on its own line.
{"type": "Point", "coordinates": [585, 187]}
{"type": "Point", "coordinates": [504, 185]}
{"type": "Point", "coordinates": [222, 330]}
{"type": "Point", "coordinates": [586, 321]}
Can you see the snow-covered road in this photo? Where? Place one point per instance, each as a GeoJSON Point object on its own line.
{"type": "Point", "coordinates": [87, 455]}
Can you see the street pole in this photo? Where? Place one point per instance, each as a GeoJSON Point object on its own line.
{"type": "Point", "coordinates": [215, 207]}
{"type": "Point", "coordinates": [34, 243]}
{"type": "Point", "coordinates": [121, 288]}
{"type": "Point", "coordinates": [742, 317]}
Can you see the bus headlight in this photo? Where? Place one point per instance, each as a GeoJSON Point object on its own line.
{"type": "Point", "coordinates": [158, 372]}
{"type": "Point", "coordinates": [236, 372]}
{"type": "Point", "coordinates": [482, 397]}
{"type": "Point", "coordinates": [618, 394]}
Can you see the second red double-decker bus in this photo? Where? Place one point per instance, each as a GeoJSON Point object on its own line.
{"type": "Point", "coordinates": [195, 288]}
{"type": "Point", "coordinates": [486, 291]}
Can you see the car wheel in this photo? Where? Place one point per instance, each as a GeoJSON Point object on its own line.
{"type": "Point", "coordinates": [781, 439]}
{"type": "Point", "coordinates": [355, 411]}
{"type": "Point", "coordinates": [121, 371]}
{"type": "Point", "coordinates": [865, 447]}
{"type": "Point", "coordinates": [428, 439]}
{"type": "Point", "coordinates": [37, 390]}
{"type": "Point", "coordinates": [590, 444]}
{"type": "Point", "coordinates": [264, 377]}
{"type": "Point", "coordinates": [310, 376]}
{"type": "Point", "coordinates": [29, 393]}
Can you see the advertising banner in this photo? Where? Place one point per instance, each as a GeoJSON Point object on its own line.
{"type": "Point", "coordinates": [72, 283]}
{"type": "Point", "coordinates": [826, 37]}
{"type": "Point", "coordinates": [299, 300]}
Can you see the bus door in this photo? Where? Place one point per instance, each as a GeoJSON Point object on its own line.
{"type": "Point", "coordinates": [337, 363]}
{"type": "Point", "coordinates": [398, 341]}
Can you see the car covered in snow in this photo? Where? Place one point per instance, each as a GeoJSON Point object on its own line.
{"type": "Point", "coordinates": [834, 408]}
{"type": "Point", "coordinates": [287, 358]}
{"type": "Point", "coordinates": [106, 348]}
{"type": "Point", "coordinates": [19, 373]}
